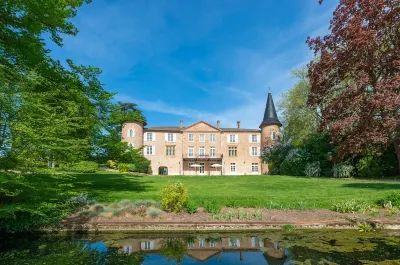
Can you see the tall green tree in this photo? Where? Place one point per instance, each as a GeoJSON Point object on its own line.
{"type": "Point", "coordinates": [300, 121]}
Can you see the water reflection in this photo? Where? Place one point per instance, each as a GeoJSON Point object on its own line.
{"type": "Point", "coordinates": [273, 248]}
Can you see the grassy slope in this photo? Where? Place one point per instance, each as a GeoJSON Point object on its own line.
{"type": "Point", "coordinates": [252, 191]}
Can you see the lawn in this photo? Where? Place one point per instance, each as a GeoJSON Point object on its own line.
{"type": "Point", "coordinates": [247, 191]}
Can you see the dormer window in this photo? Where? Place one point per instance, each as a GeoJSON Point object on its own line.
{"type": "Point", "coordinates": [131, 133]}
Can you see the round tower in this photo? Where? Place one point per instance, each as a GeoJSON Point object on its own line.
{"type": "Point", "coordinates": [270, 128]}
{"type": "Point", "coordinates": [132, 133]}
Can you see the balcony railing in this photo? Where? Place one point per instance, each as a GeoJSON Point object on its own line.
{"type": "Point", "coordinates": [202, 156]}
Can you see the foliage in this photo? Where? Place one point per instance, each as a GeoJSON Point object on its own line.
{"type": "Point", "coordinates": [288, 228]}
{"type": "Point", "coordinates": [313, 169]}
{"type": "Point", "coordinates": [274, 155]}
{"type": "Point", "coordinates": [85, 167]}
{"type": "Point", "coordinates": [153, 212]}
{"type": "Point", "coordinates": [174, 197]}
{"type": "Point", "coordinates": [123, 168]}
{"type": "Point", "coordinates": [342, 170]}
{"type": "Point", "coordinates": [364, 227]}
{"type": "Point", "coordinates": [111, 164]}
{"type": "Point", "coordinates": [377, 164]}
{"type": "Point", "coordinates": [191, 207]}
{"type": "Point", "coordinates": [212, 207]}
{"type": "Point", "coordinates": [351, 206]}
{"type": "Point", "coordinates": [294, 164]}
{"type": "Point", "coordinates": [355, 78]}
{"type": "Point", "coordinates": [174, 249]}
{"type": "Point", "coordinates": [392, 200]}
{"type": "Point", "coordinates": [141, 163]}
{"type": "Point", "coordinates": [301, 121]}
{"type": "Point", "coordinates": [61, 251]}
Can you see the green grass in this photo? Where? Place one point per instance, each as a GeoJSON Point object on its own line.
{"type": "Point", "coordinates": [275, 192]}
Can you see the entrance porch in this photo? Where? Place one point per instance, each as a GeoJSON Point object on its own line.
{"type": "Point", "coordinates": [202, 166]}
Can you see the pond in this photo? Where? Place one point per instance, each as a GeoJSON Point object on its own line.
{"type": "Point", "coordinates": [269, 247]}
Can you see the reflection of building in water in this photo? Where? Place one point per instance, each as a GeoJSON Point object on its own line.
{"type": "Point", "coordinates": [203, 249]}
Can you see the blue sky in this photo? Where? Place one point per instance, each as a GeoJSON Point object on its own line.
{"type": "Point", "coordinates": [197, 60]}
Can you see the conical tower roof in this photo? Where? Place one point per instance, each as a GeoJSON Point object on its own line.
{"type": "Point", "coordinates": [270, 116]}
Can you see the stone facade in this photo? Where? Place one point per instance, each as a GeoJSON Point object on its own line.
{"type": "Point", "coordinates": [204, 149]}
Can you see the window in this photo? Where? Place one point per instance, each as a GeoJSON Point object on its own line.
{"type": "Point", "coordinates": [191, 137]}
{"type": "Point", "coordinates": [201, 151]}
{"type": "Point", "coordinates": [255, 242]}
{"type": "Point", "coordinates": [212, 152]}
{"type": "Point", "coordinates": [254, 151]}
{"type": "Point", "coordinates": [233, 167]}
{"type": "Point", "coordinates": [132, 145]}
{"type": "Point", "coordinates": [234, 243]}
{"type": "Point", "coordinates": [149, 137]}
{"type": "Point", "coordinates": [273, 136]}
{"type": "Point", "coordinates": [150, 150]}
{"type": "Point", "coordinates": [202, 243]}
{"type": "Point", "coordinates": [212, 138]}
{"type": "Point", "coordinates": [131, 133]}
{"type": "Point", "coordinates": [254, 167]}
{"type": "Point", "coordinates": [190, 164]}
{"type": "Point", "coordinates": [170, 137]}
{"type": "Point", "coordinates": [190, 244]}
{"type": "Point", "coordinates": [201, 168]}
{"type": "Point", "coordinates": [232, 151]}
{"type": "Point", "coordinates": [201, 137]}
{"type": "Point", "coordinates": [170, 150]}
{"type": "Point", "coordinates": [146, 245]}
{"type": "Point", "coordinates": [191, 151]}
{"type": "Point", "coordinates": [213, 244]}
{"type": "Point", "coordinates": [254, 138]}
{"type": "Point", "coordinates": [128, 249]}
{"type": "Point", "coordinates": [232, 138]}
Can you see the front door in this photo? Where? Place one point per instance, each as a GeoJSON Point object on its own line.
{"type": "Point", "coordinates": [202, 169]}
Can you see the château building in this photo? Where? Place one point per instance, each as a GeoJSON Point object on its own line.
{"type": "Point", "coordinates": [205, 149]}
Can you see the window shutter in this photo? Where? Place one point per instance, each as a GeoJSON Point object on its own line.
{"type": "Point", "coordinates": [236, 138]}
{"type": "Point", "coordinates": [145, 136]}
{"type": "Point", "coordinates": [154, 136]}
{"type": "Point", "coordinates": [154, 150]}
{"type": "Point", "coordinates": [166, 137]}
{"type": "Point", "coordinates": [258, 151]}
{"type": "Point", "coordinates": [250, 138]}
{"type": "Point", "coordinates": [174, 137]}
{"type": "Point", "coordinates": [251, 151]}
{"type": "Point", "coordinates": [258, 138]}
{"type": "Point", "coordinates": [145, 150]}
{"type": "Point", "coordinates": [152, 244]}
{"type": "Point", "coordinates": [142, 246]}
{"type": "Point", "coordinates": [228, 136]}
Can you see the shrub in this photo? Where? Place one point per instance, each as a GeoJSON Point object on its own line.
{"type": "Point", "coordinates": [174, 197]}
{"type": "Point", "coordinates": [191, 207]}
{"type": "Point", "coordinates": [80, 200]}
{"type": "Point", "coordinates": [132, 168]}
{"type": "Point", "coordinates": [111, 164]}
{"type": "Point", "coordinates": [391, 200]}
{"type": "Point", "coordinates": [364, 227]}
{"type": "Point", "coordinates": [123, 168]}
{"type": "Point", "coordinates": [288, 228]}
{"type": "Point", "coordinates": [85, 167]}
{"type": "Point", "coordinates": [294, 164]}
{"type": "Point", "coordinates": [153, 212]}
{"type": "Point", "coordinates": [212, 207]}
{"type": "Point", "coordinates": [141, 164]}
{"type": "Point", "coordinates": [342, 170]}
{"type": "Point", "coordinates": [351, 206]}
{"type": "Point", "coordinates": [313, 169]}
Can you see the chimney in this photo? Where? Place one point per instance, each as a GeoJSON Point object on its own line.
{"type": "Point", "coordinates": [181, 124]}
{"type": "Point", "coordinates": [218, 124]}
{"type": "Point", "coordinates": [238, 124]}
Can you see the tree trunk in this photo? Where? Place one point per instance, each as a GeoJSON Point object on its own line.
{"type": "Point", "coordinates": [397, 151]}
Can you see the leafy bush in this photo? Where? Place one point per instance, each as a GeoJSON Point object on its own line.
{"type": "Point", "coordinates": [174, 197]}
{"type": "Point", "coordinates": [85, 167]}
{"type": "Point", "coordinates": [111, 164]}
{"type": "Point", "coordinates": [342, 170]}
{"type": "Point", "coordinates": [132, 168]}
{"type": "Point", "coordinates": [80, 200]}
{"type": "Point", "coordinates": [364, 227]}
{"type": "Point", "coordinates": [391, 200]}
{"type": "Point", "coordinates": [294, 164]}
{"type": "Point", "coordinates": [288, 228]}
{"type": "Point", "coordinates": [313, 169]}
{"type": "Point", "coordinates": [351, 206]}
{"type": "Point", "coordinates": [212, 207]}
{"type": "Point", "coordinates": [123, 168]}
{"type": "Point", "coordinates": [375, 164]}
{"type": "Point", "coordinates": [141, 163]}
{"type": "Point", "coordinates": [191, 207]}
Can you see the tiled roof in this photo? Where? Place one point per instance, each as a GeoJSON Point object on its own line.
{"type": "Point", "coordinates": [163, 128]}
{"type": "Point", "coordinates": [270, 117]}
{"type": "Point", "coordinates": [239, 130]}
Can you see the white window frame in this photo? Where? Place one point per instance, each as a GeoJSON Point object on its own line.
{"type": "Point", "coordinates": [232, 166]}
{"type": "Point", "coordinates": [202, 168]}
{"type": "Point", "coordinates": [254, 166]}
{"type": "Point", "coordinates": [202, 243]}
{"type": "Point", "coordinates": [213, 244]}
{"type": "Point", "coordinates": [128, 249]}
{"type": "Point", "coordinates": [150, 148]}
{"type": "Point", "coordinates": [149, 137]}
{"type": "Point", "coordinates": [232, 138]}
{"type": "Point", "coordinates": [170, 137]}
{"type": "Point", "coordinates": [254, 151]}
{"type": "Point", "coordinates": [273, 135]}
{"type": "Point", "coordinates": [213, 151]}
{"type": "Point", "coordinates": [254, 138]}
{"type": "Point", "coordinates": [131, 133]}
{"type": "Point", "coordinates": [191, 154]}
{"type": "Point", "coordinates": [212, 138]}
{"type": "Point", "coordinates": [191, 137]}
{"type": "Point", "coordinates": [234, 242]}
{"type": "Point", "coordinates": [234, 150]}
{"type": "Point", "coordinates": [202, 137]}
{"type": "Point", "coordinates": [147, 245]}
{"type": "Point", "coordinates": [202, 151]}
{"type": "Point", "coordinates": [132, 145]}
{"type": "Point", "coordinates": [170, 150]}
